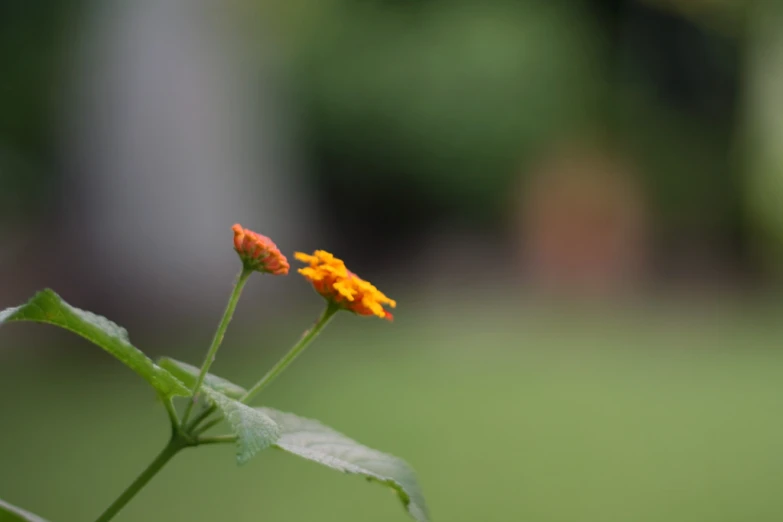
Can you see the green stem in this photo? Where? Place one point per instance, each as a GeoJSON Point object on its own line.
{"type": "Point", "coordinates": [218, 439]}
{"type": "Point", "coordinates": [292, 354]}
{"type": "Point", "coordinates": [205, 427]}
{"type": "Point", "coordinates": [172, 413]}
{"type": "Point", "coordinates": [199, 418]}
{"type": "Point", "coordinates": [221, 331]}
{"type": "Point", "coordinates": [171, 449]}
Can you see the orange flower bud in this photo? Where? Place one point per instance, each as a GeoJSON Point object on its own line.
{"type": "Point", "coordinates": [258, 252]}
{"type": "Point", "coordinates": [340, 286]}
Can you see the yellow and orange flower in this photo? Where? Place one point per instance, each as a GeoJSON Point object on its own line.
{"type": "Point", "coordinates": [340, 286]}
{"type": "Point", "coordinates": [258, 252]}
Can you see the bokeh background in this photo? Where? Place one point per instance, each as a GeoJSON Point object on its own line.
{"type": "Point", "coordinates": [577, 205]}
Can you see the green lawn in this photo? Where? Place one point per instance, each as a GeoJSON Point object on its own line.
{"type": "Point", "coordinates": [664, 414]}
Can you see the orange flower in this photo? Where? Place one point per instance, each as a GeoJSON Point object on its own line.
{"type": "Point", "coordinates": [340, 286]}
{"type": "Point", "coordinates": [258, 252]}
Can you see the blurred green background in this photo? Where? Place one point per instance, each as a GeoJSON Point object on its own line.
{"type": "Point", "coordinates": [576, 205]}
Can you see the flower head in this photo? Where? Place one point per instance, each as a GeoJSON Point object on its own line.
{"type": "Point", "coordinates": [340, 286]}
{"type": "Point", "coordinates": [258, 252]}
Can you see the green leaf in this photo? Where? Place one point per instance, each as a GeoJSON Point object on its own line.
{"type": "Point", "coordinates": [9, 513]}
{"type": "Point", "coordinates": [254, 429]}
{"type": "Point", "coordinates": [313, 441]}
{"type": "Point", "coordinates": [188, 374]}
{"type": "Point", "coordinates": [47, 307]}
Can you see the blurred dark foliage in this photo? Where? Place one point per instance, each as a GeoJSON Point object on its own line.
{"type": "Point", "coordinates": [683, 125]}
{"type": "Point", "coordinates": [34, 45]}
{"type": "Point", "coordinates": [429, 112]}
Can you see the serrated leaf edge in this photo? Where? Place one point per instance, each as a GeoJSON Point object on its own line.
{"type": "Point", "coordinates": [418, 512]}
{"type": "Point", "coordinates": [222, 401]}
{"type": "Point", "coordinates": [8, 314]}
{"type": "Point", "coordinates": [217, 383]}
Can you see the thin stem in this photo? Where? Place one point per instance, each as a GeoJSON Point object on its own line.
{"type": "Point", "coordinates": [292, 354]}
{"type": "Point", "coordinates": [171, 449]}
{"type": "Point", "coordinates": [199, 418]}
{"type": "Point", "coordinates": [172, 413]}
{"type": "Point", "coordinates": [218, 439]}
{"type": "Point", "coordinates": [210, 424]}
{"type": "Point", "coordinates": [221, 331]}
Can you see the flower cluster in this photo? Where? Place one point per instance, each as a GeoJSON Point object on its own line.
{"type": "Point", "coordinates": [340, 286]}
{"type": "Point", "coordinates": [258, 252]}
{"type": "Point", "coordinates": [328, 274]}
